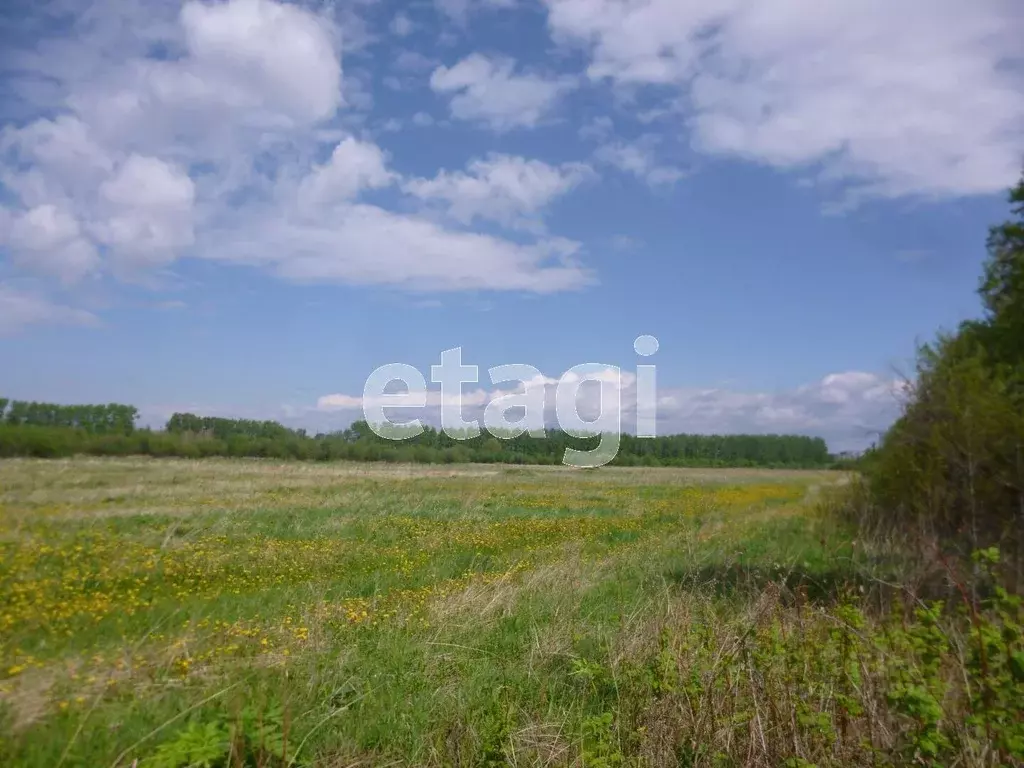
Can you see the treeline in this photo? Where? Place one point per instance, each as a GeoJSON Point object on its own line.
{"type": "Point", "coordinates": [948, 477]}
{"type": "Point", "coordinates": [190, 436]}
{"type": "Point", "coordinates": [92, 419]}
{"type": "Point", "coordinates": [669, 450]}
{"type": "Point", "coordinates": [223, 429]}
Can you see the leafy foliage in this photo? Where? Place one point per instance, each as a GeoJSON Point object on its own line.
{"type": "Point", "coordinates": [949, 475]}
{"type": "Point", "coordinates": [198, 745]}
{"type": "Point", "coordinates": [255, 737]}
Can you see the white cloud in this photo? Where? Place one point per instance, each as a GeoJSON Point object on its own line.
{"type": "Point", "coordinates": [488, 90]}
{"type": "Point", "coordinates": [848, 409]}
{"type": "Point", "coordinates": [326, 235]}
{"type": "Point", "coordinates": [202, 133]}
{"type": "Point", "coordinates": [643, 41]}
{"type": "Point", "coordinates": [256, 52]}
{"type": "Point", "coordinates": [77, 197]}
{"type": "Point", "coordinates": [422, 119]}
{"type": "Point", "coordinates": [149, 211]}
{"type": "Point", "coordinates": [365, 244]}
{"type": "Point", "coordinates": [638, 158]}
{"type": "Point", "coordinates": [917, 98]}
{"type": "Point", "coordinates": [505, 189]}
{"type": "Point", "coordinates": [19, 309]}
{"type": "Point", "coordinates": [48, 240]}
{"type": "Point", "coordinates": [53, 160]}
{"type": "Point", "coordinates": [353, 166]}
{"type": "Point", "coordinates": [105, 184]}
{"type": "Point", "coordinates": [244, 73]}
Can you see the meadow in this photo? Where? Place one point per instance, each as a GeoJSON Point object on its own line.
{"type": "Point", "coordinates": [245, 612]}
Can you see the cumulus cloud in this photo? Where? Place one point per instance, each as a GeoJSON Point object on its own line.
{"type": "Point", "coordinates": [259, 52]}
{"type": "Point", "coordinates": [320, 232]}
{"type": "Point", "coordinates": [508, 190]}
{"type": "Point", "coordinates": [244, 72]}
{"type": "Point", "coordinates": [488, 90]}
{"type": "Point", "coordinates": [48, 240]}
{"type": "Point", "coordinates": [53, 160]}
{"type": "Point", "coordinates": [353, 166]}
{"type": "Point", "coordinates": [109, 175]}
{"type": "Point", "coordinates": [145, 211]}
{"type": "Point", "coordinates": [920, 98]}
{"type": "Point", "coordinates": [78, 196]}
{"type": "Point", "coordinates": [217, 131]}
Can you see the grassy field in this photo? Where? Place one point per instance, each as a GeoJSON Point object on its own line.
{"type": "Point", "coordinates": [252, 613]}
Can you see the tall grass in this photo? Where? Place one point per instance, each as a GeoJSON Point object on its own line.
{"type": "Point", "coordinates": [317, 615]}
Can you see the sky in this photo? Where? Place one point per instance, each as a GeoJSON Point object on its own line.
{"type": "Point", "coordinates": [244, 207]}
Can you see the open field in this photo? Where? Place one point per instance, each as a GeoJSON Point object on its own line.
{"type": "Point", "coordinates": [469, 615]}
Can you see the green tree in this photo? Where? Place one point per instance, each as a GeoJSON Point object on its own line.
{"type": "Point", "coordinates": [1002, 286]}
{"type": "Point", "coordinates": [951, 470]}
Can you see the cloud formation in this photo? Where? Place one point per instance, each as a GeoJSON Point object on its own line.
{"type": "Point", "coordinates": [490, 91]}
{"type": "Point", "coordinates": [509, 190]}
{"type": "Point", "coordinates": [918, 98]}
{"type": "Point", "coordinates": [219, 134]}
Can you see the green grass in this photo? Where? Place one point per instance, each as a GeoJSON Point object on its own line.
{"type": "Point", "coordinates": [461, 615]}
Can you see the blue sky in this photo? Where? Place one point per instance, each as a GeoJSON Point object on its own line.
{"type": "Point", "coordinates": [244, 207]}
